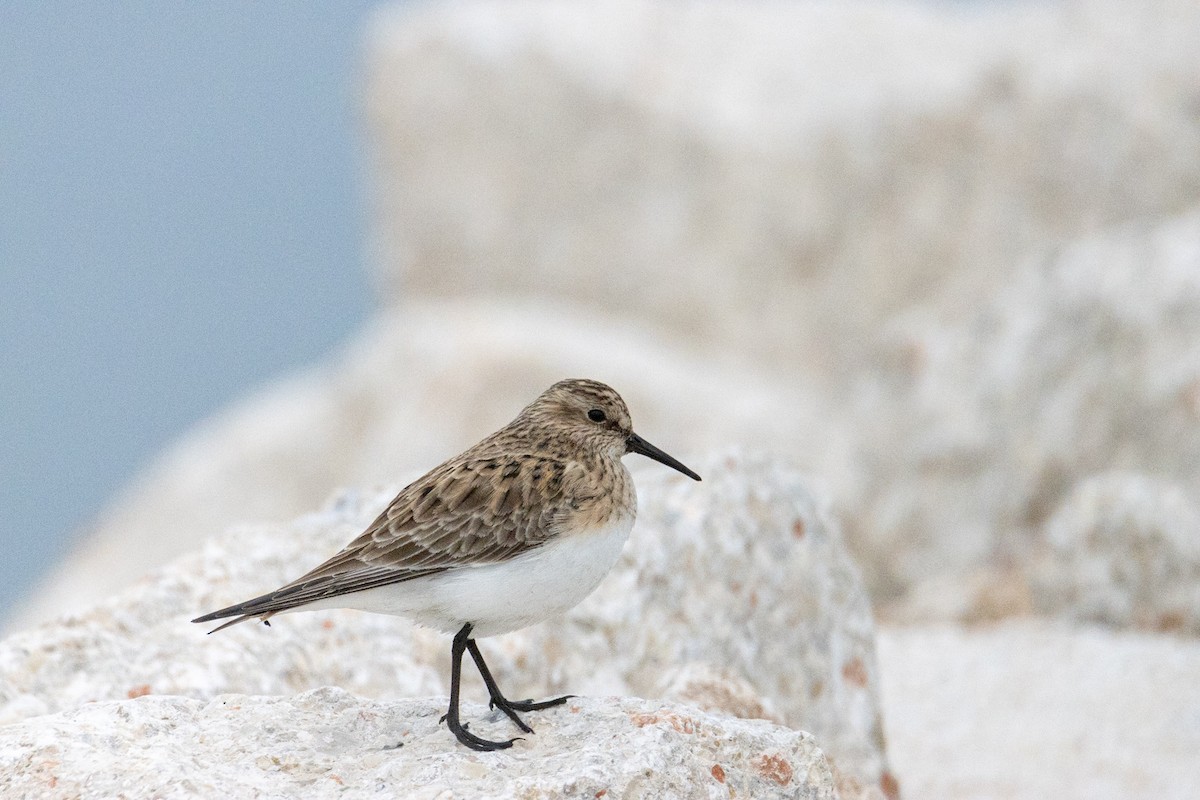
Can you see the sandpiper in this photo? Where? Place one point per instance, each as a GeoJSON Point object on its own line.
{"type": "Point", "coordinates": [512, 531]}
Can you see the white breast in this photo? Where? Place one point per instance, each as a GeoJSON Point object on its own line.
{"type": "Point", "coordinates": [499, 598]}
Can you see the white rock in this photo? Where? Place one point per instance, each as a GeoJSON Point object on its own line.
{"type": "Point", "coordinates": [1123, 550]}
{"type": "Point", "coordinates": [742, 576]}
{"type": "Point", "coordinates": [710, 689]}
{"type": "Point", "coordinates": [771, 179]}
{"type": "Point", "coordinates": [1085, 363]}
{"type": "Point", "coordinates": [328, 743]}
{"type": "Point", "coordinates": [1029, 711]}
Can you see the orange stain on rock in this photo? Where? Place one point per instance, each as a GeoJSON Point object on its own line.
{"type": "Point", "coordinates": [798, 529]}
{"type": "Point", "coordinates": [855, 672]}
{"type": "Point", "coordinates": [138, 691]}
{"type": "Point", "coordinates": [1170, 622]}
{"type": "Point", "coordinates": [890, 786]}
{"type": "Point", "coordinates": [773, 767]}
{"type": "Point", "coordinates": [679, 723]}
{"type": "Point", "coordinates": [718, 773]}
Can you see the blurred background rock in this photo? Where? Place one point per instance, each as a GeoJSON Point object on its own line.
{"type": "Point", "coordinates": [945, 258]}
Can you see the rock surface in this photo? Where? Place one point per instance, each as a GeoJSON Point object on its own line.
{"type": "Point", "coordinates": [1029, 710]}
{"type": "Point", "coordinates": [1086, 362]}
{"type": "Point", "coordinates": [730, 590]}
{"type": "Point", "coordinates": [328, 743]}
{"type": "Point", "coordinates": [1123, 550]}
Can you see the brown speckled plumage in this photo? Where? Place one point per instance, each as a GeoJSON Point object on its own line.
{"type": "Point", "coordinates": [549, 472]}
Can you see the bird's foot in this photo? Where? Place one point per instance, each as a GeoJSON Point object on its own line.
{"type": "Point", "coordinates": [459, 729]}
{"type": "Point", "coordinates": [476, 742]}
{"type": "Point", "coordinates": [530, 705]}
{"type": "Point", "coordinates": [511, 707]}
{"type": "Point", "coordinates": [510, 712]}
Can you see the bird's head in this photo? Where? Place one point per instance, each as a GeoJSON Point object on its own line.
{"type": "Point", "coordinates": [593, 415]}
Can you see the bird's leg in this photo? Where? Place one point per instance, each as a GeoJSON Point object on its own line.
{"type": "Point", "coordinates": [498, 700]}
{"type": "Point", "coordinates": [461, 642]}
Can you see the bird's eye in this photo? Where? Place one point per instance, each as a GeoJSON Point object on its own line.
{"type": "Point", "coordinates": [596, 415]}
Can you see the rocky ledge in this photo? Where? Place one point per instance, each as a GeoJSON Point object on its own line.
{"type": "Point", "coordinates": [738, 602]}
{"type": "Point", "coordinates": [329, 743]}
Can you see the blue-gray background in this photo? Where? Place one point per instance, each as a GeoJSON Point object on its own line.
{"type": "Point", "coordinates": [181, 219]}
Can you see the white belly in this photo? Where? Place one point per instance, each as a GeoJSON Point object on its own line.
{"type": "Point", "coordinates": [499, 598]}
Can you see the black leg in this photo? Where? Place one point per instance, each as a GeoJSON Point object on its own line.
{"type": "Point", "coordinates": [461, 642]}
{"type": "Point", "coordinates": [498, 700]}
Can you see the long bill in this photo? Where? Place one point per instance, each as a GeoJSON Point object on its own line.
{"type": "Point", "coordinates": [636, 444]}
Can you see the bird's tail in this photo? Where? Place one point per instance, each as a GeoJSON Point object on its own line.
{"type": "Point", "coordinates": [238, 616]}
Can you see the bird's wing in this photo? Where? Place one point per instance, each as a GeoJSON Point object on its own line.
{"type": "Point", "coordinates": [464, 513]}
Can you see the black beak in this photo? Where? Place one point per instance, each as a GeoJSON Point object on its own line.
{"type": "Point", "coordinates": [636, 444]}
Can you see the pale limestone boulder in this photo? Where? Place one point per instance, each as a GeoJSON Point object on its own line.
{"type": "Point", "coordinates": [730, 589]}
{"type": "Point", "coordinates": [329, 743]}
{"type": "Point", "coordinates": [973, 435]}
{"type": "Point", "coordinates": [413, 389]}
{"type": "Point", "coordinates": [1123, 550]}
{"type": "Point", "coordinates": [769, 179]}
{"type": "Point", "coordinates": [1027, 711]}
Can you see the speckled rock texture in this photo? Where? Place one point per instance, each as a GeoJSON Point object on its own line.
{"type": "Point", "coordinates": [735, 595]}
{"type": "Point", "coordinates": [1086, 363]}
{"type": "Point", "coordinates": [1123, 550]}
{"type": "Point", "coordinates": [328, 743]}
{"type": "Point", "coordinates": [1028, 710]}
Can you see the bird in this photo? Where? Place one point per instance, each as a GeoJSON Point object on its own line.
{"type": "Point", "coordinates": [514, 530]}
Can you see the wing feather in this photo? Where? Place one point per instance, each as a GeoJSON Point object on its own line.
{"type": "Point", "coordinates": [465, 513]}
